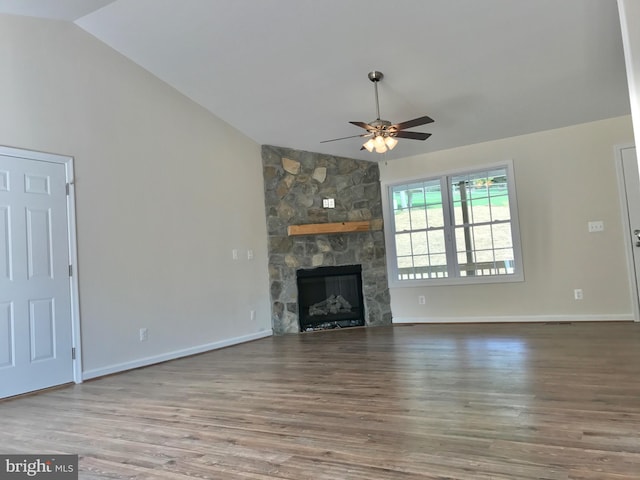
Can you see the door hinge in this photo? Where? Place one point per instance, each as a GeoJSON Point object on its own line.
{"type": "Point", "coordinates": [67, 189]}
{"type": "Point", "coordinates": [71, 270]}
{"type": "Point", "coordinates": [73, 353]}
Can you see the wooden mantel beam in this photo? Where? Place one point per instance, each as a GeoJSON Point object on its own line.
{"type": "Point", "coordinates": [339, 227]}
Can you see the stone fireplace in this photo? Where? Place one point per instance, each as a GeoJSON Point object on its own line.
{"type": "Point", "coordinates": [295, 184]}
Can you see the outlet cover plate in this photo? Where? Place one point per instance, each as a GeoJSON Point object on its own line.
{"type": "Point", "coordinates": [595, 226]}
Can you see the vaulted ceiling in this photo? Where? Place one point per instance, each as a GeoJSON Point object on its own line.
{"type": "Point", "coordinates": [294, 72]}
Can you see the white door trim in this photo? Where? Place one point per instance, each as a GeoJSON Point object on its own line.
{"type": "Point", "coordinates": [634, 288]}
{"type": "Point", "coordinates": [73, 254]}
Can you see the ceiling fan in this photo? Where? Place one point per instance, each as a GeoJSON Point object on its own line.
{"type": "Point", "coordinates": [383, 134]}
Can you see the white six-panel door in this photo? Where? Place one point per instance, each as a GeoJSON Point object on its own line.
{"type": "Point", "coordinates": [35, 298]}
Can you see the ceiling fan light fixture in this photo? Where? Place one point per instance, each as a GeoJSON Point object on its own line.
{"type": "Point", "coordinates": [380, 144]}
{"type": "Point", "coordinates": [390, 142]}
{"type": "Point", "coordinates": [369, 144]}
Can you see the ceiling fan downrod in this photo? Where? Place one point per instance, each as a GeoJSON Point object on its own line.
{"type": "Point", "coordinates": [375, 77]}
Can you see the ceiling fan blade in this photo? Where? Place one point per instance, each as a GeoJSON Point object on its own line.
{"type": "Point", "coordinates": [413, 135]}
{"type": "Point", "coordinates": [412, 123]}
{"type": "Point", "coordinates": [344, 138]}
{"type": "Point", "coordinates": [366, 126]}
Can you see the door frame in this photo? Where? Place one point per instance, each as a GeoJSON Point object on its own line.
{"type": "Point", "coordinates": [67, 161]}
{"type": "Point", "coordinates": [626, 228]}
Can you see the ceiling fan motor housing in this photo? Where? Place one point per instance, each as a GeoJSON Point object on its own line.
{"type": "Point", "coordinates": [380, 124]}
{"type": "Point", "coordinates": [382, 128]}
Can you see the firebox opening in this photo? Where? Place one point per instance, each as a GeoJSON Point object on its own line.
{"type": "Point", "coordinates": [330, 297]}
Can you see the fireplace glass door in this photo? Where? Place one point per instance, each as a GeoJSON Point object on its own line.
{"type": "Point", "coordinates": [330, 297]}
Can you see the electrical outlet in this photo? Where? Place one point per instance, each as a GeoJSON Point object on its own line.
{"type": "Point", "coordinates": [422, 300]}
{"type": "Point", "coordinates": [252, 314]}
{"type": "Point", "coordinates": [595, 226]}
{"type": "Point", "coordinates": [144, 334]}
{"type": "Point", "coordinates": [577, 294]}
{"type": "Point", "coordinates": [234, 253]}
{"type": "Point", "coordinates": [249, 254]}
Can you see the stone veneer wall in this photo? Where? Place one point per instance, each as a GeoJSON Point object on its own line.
{"type": "Point", "coordinates": [295, 183]}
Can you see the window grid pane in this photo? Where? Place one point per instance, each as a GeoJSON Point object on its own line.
{"type": "Point", "coordinates": [418, 212]}
{"type": "Point", "coordinates": [480, 199]}
{"type": "Point", "coordinates": [482, 240]}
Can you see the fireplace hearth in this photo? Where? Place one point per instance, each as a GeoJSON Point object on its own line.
{"type": "Point", "coordinates": [330, 297]}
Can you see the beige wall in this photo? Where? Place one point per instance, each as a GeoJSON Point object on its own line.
{"type": "Point", "coordinates": [159, 208]}
{"type": "Point", "coordinates": [564, 178]}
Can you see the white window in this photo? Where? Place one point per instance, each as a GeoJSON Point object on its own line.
{"type": "Point", "coordinates": [454, 228]}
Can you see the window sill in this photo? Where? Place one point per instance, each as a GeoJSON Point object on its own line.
{"type": "Point", "coordinates": [442, 282]}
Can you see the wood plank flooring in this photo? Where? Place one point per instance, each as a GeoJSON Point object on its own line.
{"type": "Point", "coordinates": [505, 401]}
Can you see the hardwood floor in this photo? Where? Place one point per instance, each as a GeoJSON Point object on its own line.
{"type": "Point", "coordinates": [534, 401]}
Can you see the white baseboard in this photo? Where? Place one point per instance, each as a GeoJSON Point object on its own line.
{"type": "Point", "coordinates": [143, 362]}
{"type": "Point", "coordinates": [618, 317]}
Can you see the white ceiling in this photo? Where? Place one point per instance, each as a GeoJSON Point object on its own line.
{"type": "Point", "coordinates": [294, 72]}
{"type": "Point", "coordinates": [54, 9]}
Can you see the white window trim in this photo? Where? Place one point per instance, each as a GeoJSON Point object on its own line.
{"type": "Point", "coordinates": [389, 230]}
